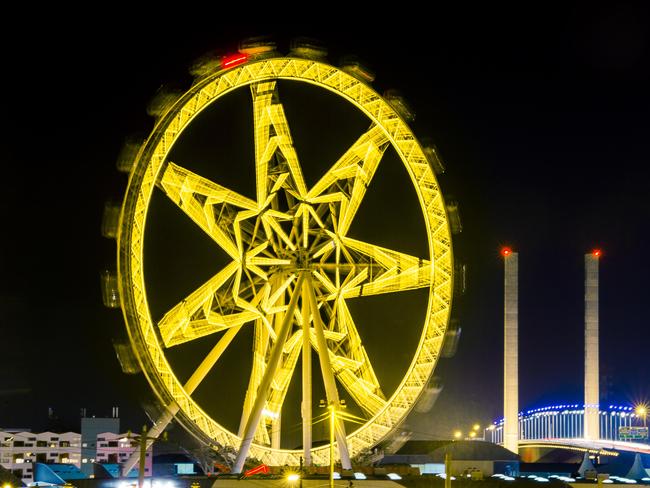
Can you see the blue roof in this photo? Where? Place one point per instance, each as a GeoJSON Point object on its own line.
{"type": "Point", "coordinates": [57, 474]}
{"type": "Point", "coordinates": [67, 471]}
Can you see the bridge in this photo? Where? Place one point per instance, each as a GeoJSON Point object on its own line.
{"type": "Point", "coordinates": [562, 426]}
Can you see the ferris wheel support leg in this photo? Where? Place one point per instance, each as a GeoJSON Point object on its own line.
{"type": "Point", "coordinates": [328, 376]}
{"type": "Point", "coordinates": [306, 377]}
{"type": "Point", "coordinates": [269, 374]}
{"type": "Point", "coordinates": [253, 383]}
{"type": "Point", "coordinates": [194, 381]}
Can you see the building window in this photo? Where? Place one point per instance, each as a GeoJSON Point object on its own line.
{"type": "Point", "coordinates": [31, 438]}
{"type": "Point", "coordinates": [112, 458]}
{"type": "Point", "coordinates": [84, 444]}
{"type": "Point", "coordinates": [19, 443]}
{"type": "Point", "coordinates": [101, 439]}
{"type": "Point", "coordinates": [112, 443]}
{"type": "Point", "coordinates": [84, 460]}
{"type": "Point", "coordinates": [64, 444]}
{"type": "Point", "coordinates": [54, 438]}
{"type": "Point", "coordinates": [41, 443]}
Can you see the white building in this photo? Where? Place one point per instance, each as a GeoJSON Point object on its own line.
{"type": "Point", "coordinates": [19, 450]}
{"type": "Point", "coordinates": [117, 448]}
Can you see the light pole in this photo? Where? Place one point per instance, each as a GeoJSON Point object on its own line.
{"type": "Point", "coordinates": [331, 406]}
{"type": "Point", "coordinates": [142, 441]}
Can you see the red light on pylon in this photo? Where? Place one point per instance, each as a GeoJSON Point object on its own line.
{"type": "Point", "coordinates": [506, 251]}
{"type": "Point", "coordinates": [596, 253]}
{"type": "Point", "coordinates": [233, 60]}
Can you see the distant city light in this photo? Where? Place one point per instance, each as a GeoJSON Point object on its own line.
{"type": "Point", "coordinates": [457, 434]}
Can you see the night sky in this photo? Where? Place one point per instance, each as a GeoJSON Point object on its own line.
{"type": "Point", "coordinates": [541, 116]}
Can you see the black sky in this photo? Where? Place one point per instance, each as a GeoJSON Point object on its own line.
{"type": "Point", "coordinates": [541, 115]}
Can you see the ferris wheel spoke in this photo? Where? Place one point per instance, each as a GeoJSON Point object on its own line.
{"type": "Point", "coordinates": [352, 173]}
{"type": "Point", "coordinates": [261, 342]}
{"type": "Point", "coordinates": [193, 317]}
{"type": "Point", "coordinates": [385, 271]}
{"type": "Point", "coordinates": [358, 376]}
{"type": "Point", "coordinates": [275, 154]}
{"type": "Point", "coordinates": [212, 207]}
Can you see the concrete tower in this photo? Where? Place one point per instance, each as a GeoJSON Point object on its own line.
{"type": "Point", "coordinates": [511, 351]}
{"type": "Point", "coordinates": [592, 400]}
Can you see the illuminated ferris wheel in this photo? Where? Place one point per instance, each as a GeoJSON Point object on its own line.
{"type": "Point", "coordinates": [292, 266]}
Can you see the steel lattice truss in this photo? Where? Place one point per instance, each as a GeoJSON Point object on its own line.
{"type": "Point", "coordinates": [292, 266]}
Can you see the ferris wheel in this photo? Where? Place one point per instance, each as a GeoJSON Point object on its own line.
{"type": "Point", "coordinates": [292, 265]}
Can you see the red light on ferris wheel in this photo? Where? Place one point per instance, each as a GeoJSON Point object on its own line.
{"type": "Point", "coordinates": [233, 60]}
{"type": "Point", "coordinates": [506, 251]}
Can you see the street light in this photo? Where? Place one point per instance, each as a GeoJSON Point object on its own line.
{"type": "Point", "coordinates": [642, 411]}
{"type": "Point", "coordinates": [332, 408]}
{"type": "Point", "coordinates": [458, 434]}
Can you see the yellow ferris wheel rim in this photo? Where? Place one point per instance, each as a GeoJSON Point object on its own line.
{"type": "Point", "coordinates": [146, 173]}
